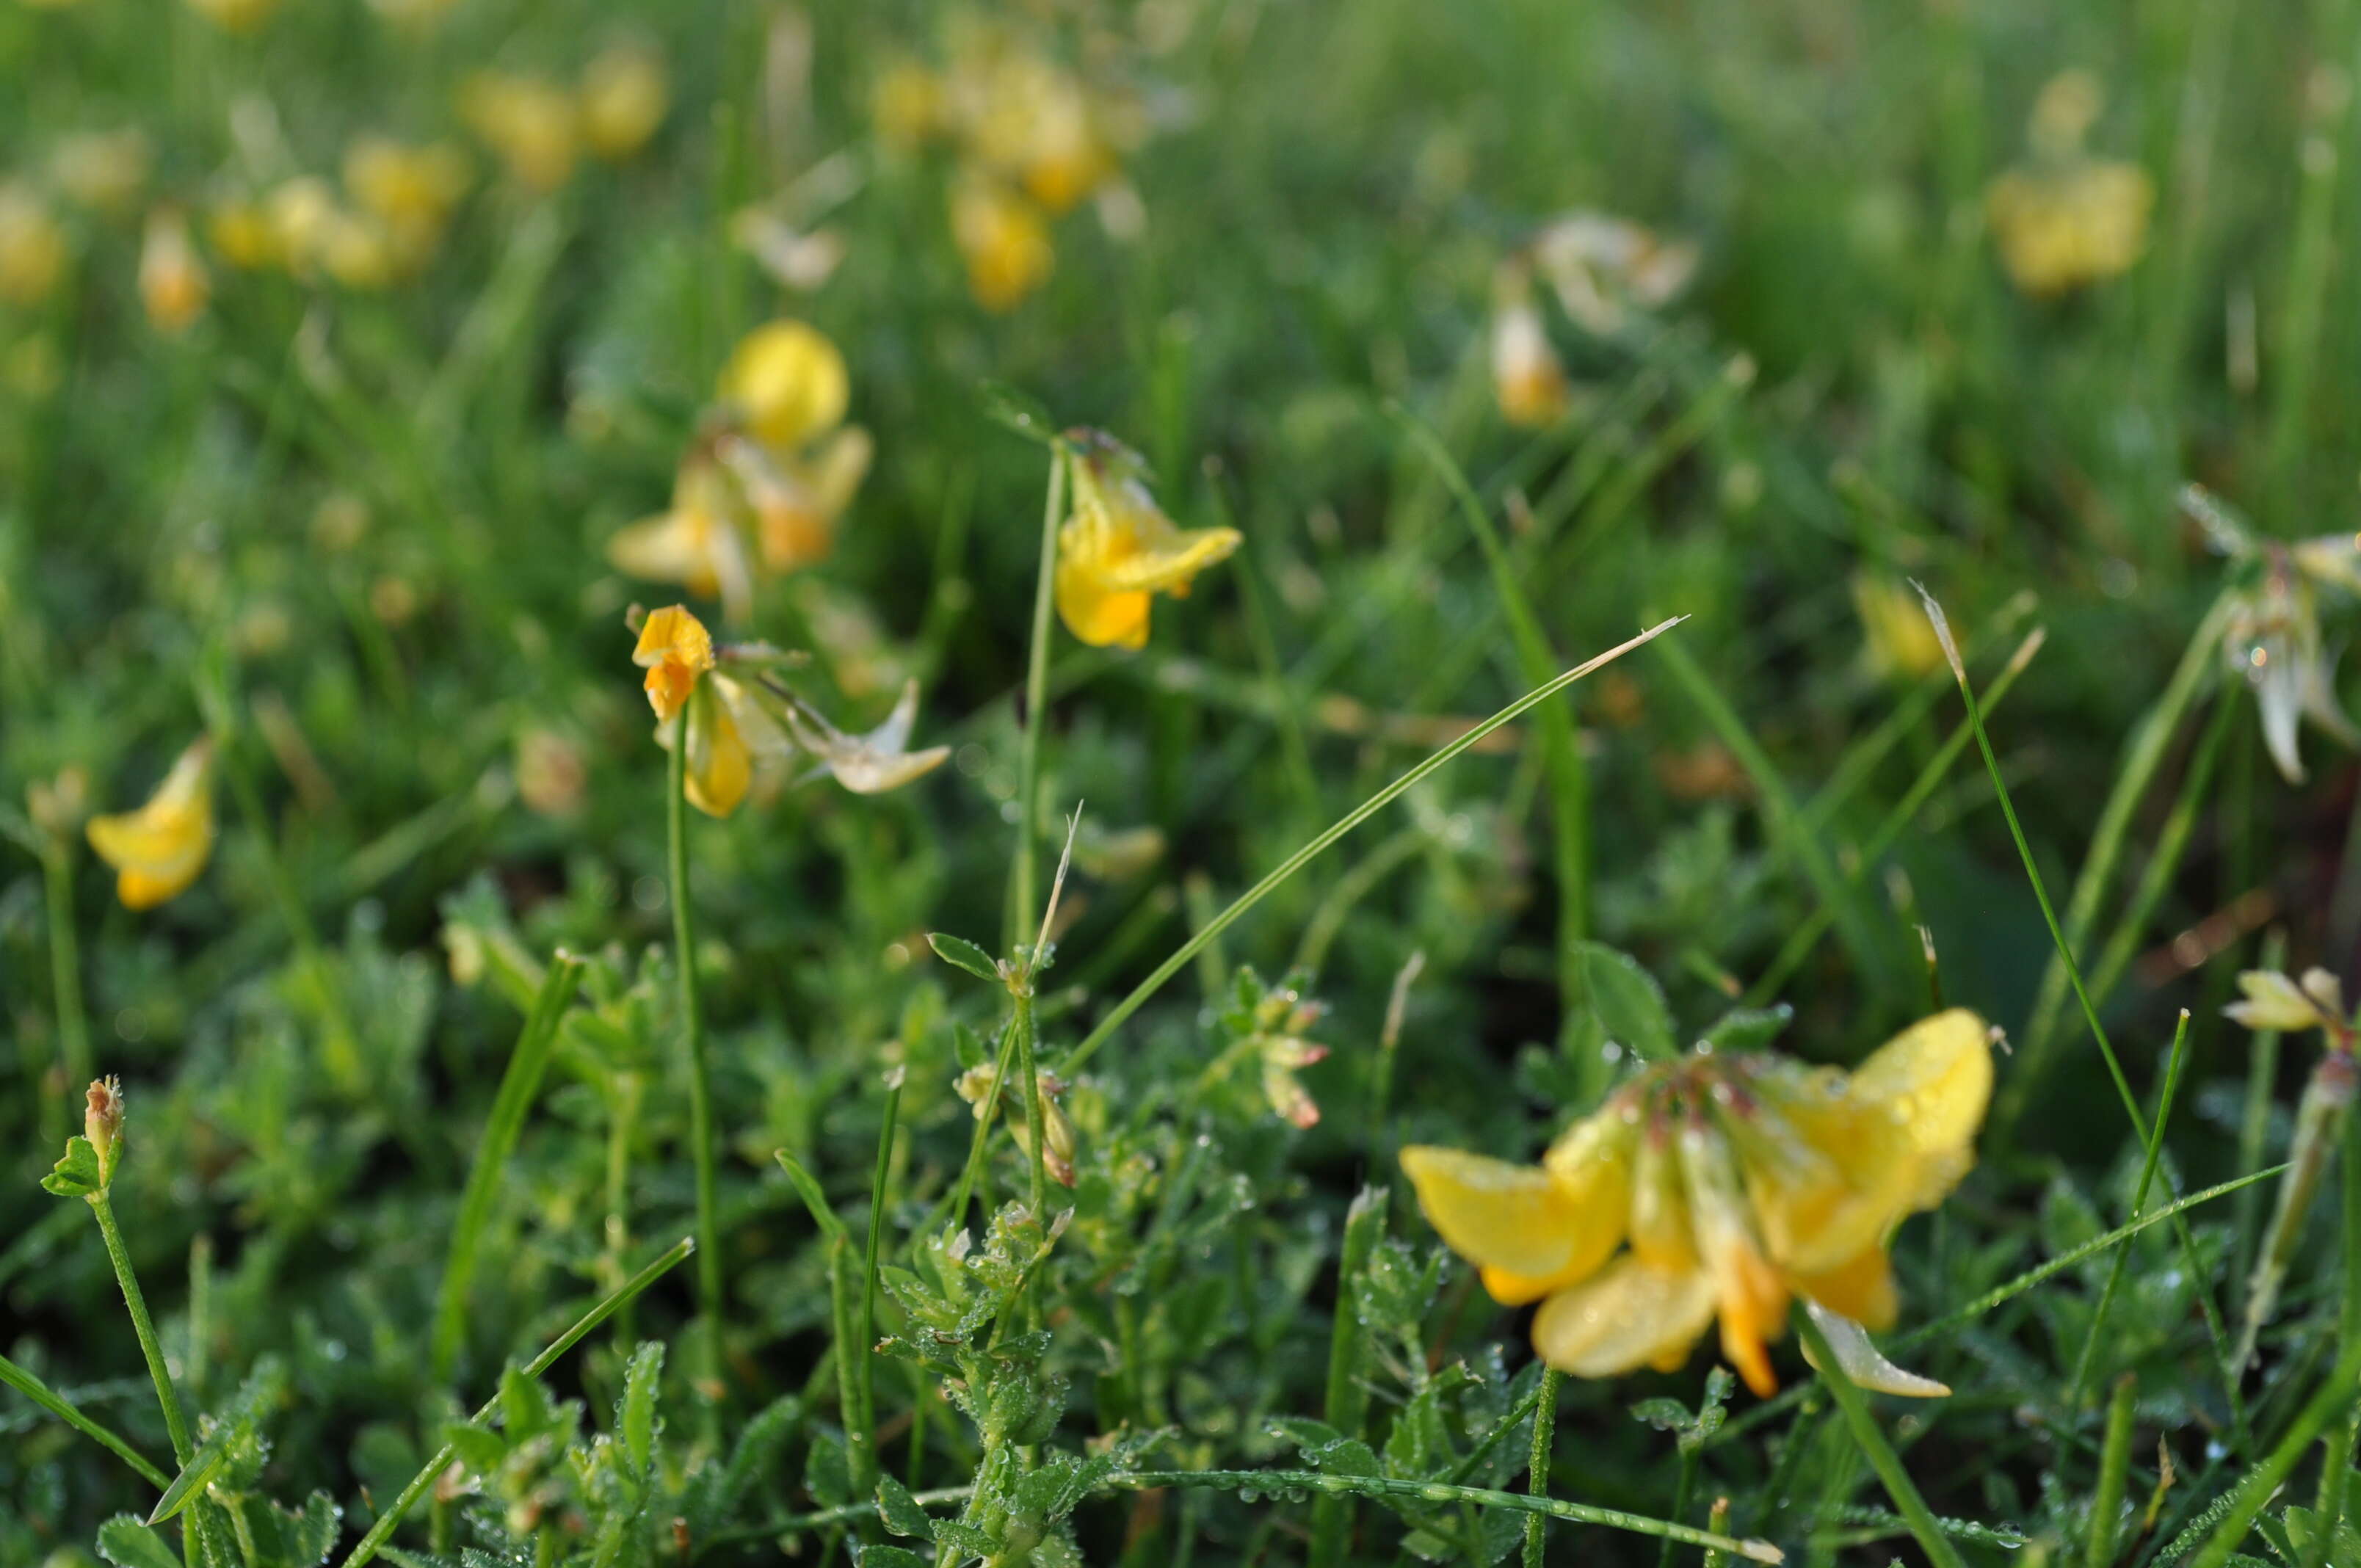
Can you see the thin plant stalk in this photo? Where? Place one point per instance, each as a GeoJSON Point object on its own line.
{"type": "Point", "coordinates": [175, 1423]}
{"type": "Point", "coordinates": [41, 1394]}
{"type": "Point", "coordinates": [873, 1258]}
{"type": "Point", "coordinates": [2106, 1504]}
{"type": "Point", "coordinates": [700, 1081]}
{"type": "Point", "coordinates": [1863, 1423]}
{"type": "Point", "coordinates": [519, 1083]}
{"type": "Point", "coordinates": [408, 1498]}
{"type": "Point", "coordinates": [1537, 1470]}
{"type": "Point", "coordinates": [1021, 871]}
{"type": "Point", "coordinates": [1343, 825]}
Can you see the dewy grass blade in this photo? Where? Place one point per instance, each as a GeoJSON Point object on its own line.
{"type": "Point", "coordinates": [519, 1083]}
{"type": "Point", "coordinates": [1343, 825]}
{"type": "Point", "coordinates": [40, 1393]}
{"type": "Point", "coordinates": [629, 1291]}
{"type": "Point", "coordinates": [2089, 1012]}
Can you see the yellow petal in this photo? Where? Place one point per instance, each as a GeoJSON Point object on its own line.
{"type": "Point", "coordinates": [675, 648]}
{"type": "Point", "coordinates": [1934, 1080]}
{"type": "Point", "coordinates": [1750, 1296]}
{"type": "Point", "coordinates": [788, 381]}
{"type": "Point", "coordinates": [1625, 1317]}
{"type": "Point", "coordinates": [1861, 1289]}
{"type": "Point", "coordinates": [720, 768]}
{"type": "Point", "coordinates": [1517, 1218]}
{"type": "Point", "coordinates": [1096, 614]}
{"type": "Point", "coordinates": [1166, 561]}
{"type": "Point", "coordinates": [158, 849]}
{"type": "Point", "coordinates": [1660, 1210]}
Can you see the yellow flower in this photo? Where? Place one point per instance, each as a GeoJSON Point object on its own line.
{"type": "Point", "coordinates": [1528, 381]}
{"type": "Point", "coordinates": [533, 126]}
{"type": "Point", "coordinates": [733, 743]}
{"type": "Point", "coordinates": [1031, 122]}
{"type": "Point", "coordinates": [1117, 550]}
{"type": "Point", "coordinates": [235, 15]}
{"type": "Point", "coordinates": [157, 851]}
{"type": "Point", "coordinates": [32, 246]}
{"type": "Point", "coordinates": [301, 213]}
{"type": "Point", "coordinates": [675, 649]}
{"type": "Point", "coordinates": [173, 284]}
{"type": "Point", "coordinates": [907, 105]}
{"type": "Point", "coordinates": [2067, 220]}
{"type": "Point", "coordinates": [102, 170]}
{"type": "Point", "coordinates": [623, 99]}
{"type": "Point", "coordinates": [409, 189]}
{"type": "Point", "coordinates": [786, 382]}
{"type": "Point", "coordinates": [1900, 639]}
{"type": "Point", "coordinates": [696, 543]}
{"type": "Point", "coordinates": [1738, 1181]}
{"type": "Point", "coordinates": [1004, 240]}
{"type": "Point", "coordinates": [244, 235]}
{"type": "Point", "coordinates": [797, 499]}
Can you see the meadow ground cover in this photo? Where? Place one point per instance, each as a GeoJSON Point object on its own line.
{"type": "Point", "coordinates": [1197, 782]}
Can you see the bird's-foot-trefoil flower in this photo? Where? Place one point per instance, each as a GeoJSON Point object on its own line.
{"type": "Point", "coordinates": [1528, 378]}
{"type": "Point", "coordinates": [173, 283]}
{"type": "Point", "coordinates": [103, 171]}
{"type": "Point", "coordinates": [1117, 550]}
{"type": "Point", "coordinates": [696, 542]}
{"type": "Point", "coordinates": [1723, 1184]}
{"type": "Point", "coordinates": [2274, 1001]}
{"type": "Point", "coordinates": [623, 97]}
{"type": "Point", "coordinates": [2066, 220]}
{"type": "Point", "coordinates": [534, 126]}
{"type": "Point", "coordinates": [32, 245]}
{"type": "Point", "coordinates": [1898, 640]}
{"type": "Point", "coordinates": [1004, 238]}
{"type": "Point", "coordinates": [157, 851]}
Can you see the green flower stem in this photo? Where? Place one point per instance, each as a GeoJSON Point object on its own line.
{"type": "Point", "coordinates": [700, 1081]}
{"type": "Point", "coordinates": [65, 975]}
{"type": "Point", "coordinates": [875, 1256]}
{"type": "Point", "coordinates": [388, 1521]}
{"type": "Point", "coordinates": [1538, 1470]}
{"type": "Point", "coordinates": [141, 1324]}
{"type": "Point", "coordinates": [41, 1394]}
{"type": "Point", "coordinates": [1036, 1128]}
{"type": "Point", "coordinates": [1862, 1421]}
{"type": "Point", "coordinates": [1021, 871]}
{"type": "Point", "coordinates": [1295, 862]}
{"type": "Point", "coordinates": [2099, 1548]}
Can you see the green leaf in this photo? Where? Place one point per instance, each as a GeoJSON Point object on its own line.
{"type": "Point", "coordinates": [890, 1557]}
{"type": "Point", "coordinates": [1018, 411]}
{"type": "Point", "coordinates": [1627, 1001]}
{"type": "Point", "coordinates": [126, 1542]}
{"type": "Point", "coordinates": [807, 1187]}
{"type": "Point", "coordinates": [76, 1173]}
{"type": "Point", "coordinates": [635, 1414]}
{"type": "Point", "coordinates": [479, 1450]}
{"type": "Point", "coordinates": [900, 1512]}
{"type": "Point", "coordinates": [960, 953]}
{"type": "Point", "coordinates": [200, 1469]}
{"type": "Point", "coordinates": [1748, 1028]}
{"type": "Point", "coordinates": [828, 1472]}
{"type": "Point", "coordinates": [967, 1538]}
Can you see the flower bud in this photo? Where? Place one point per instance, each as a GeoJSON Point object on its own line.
{"type": "Point", "coordinates": [101, 1124]}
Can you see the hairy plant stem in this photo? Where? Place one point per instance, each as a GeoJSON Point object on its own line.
{"type": "Point", "coordinates": [700, 1081]}
{"type": "Point", "coordinates": [1021, 871]}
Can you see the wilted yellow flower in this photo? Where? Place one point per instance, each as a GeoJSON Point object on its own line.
{"type": "Point", "coordinates": [411, 191]}
{"type": "Point", "coordinates": [2067, 220]}
{"type": "Point", "coordinates": [1117, 549]}
{"type": "Point", "coordinates": [102, 170]}
{"type": "Point", "coordinates": [870, 763]}
{"type": "Point", "coordinates": [1900, 640]}
{"type": "Point", "coordinates": [32, 245]}
{"type": "Point", "coordinates": [1528, 381]}
{"type": "Point", "coordinates": [2274, 641]}
{"type": "Point", "coordinates": [1604, 267]}
{"type": "Point", "coordinates": [173, 283]}
{"type": "Point", "coordinates": [1739, 1181]}
{"type": "Point", "coordinates": [235, 15]}
{"type": "Point", "coordinates": [623, 99]}
{"type": "Point", "coordinates": [157, 851]}
{"type": "Point", "coordinates": [797, 497]}
{"type": "Point", "coordinates": [786, 383]}
{"type": "Point", "coordinates": [675, 649]}
{"type": "Point", "coordinates": [1004, 239]}
{"type": "Point", "coordinates": [2273, 1000]}
{"type": "Point", "coordinates": [533, 126]}
{"type": "Point", "coordinates": [695, 543]}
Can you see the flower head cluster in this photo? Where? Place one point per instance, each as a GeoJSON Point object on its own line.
{"type": "Point", "coordinates": [2066, 220]}
{"type": "Point", "coordinates": [1117, 550]}
{"type": "Point", "coordinates": [772, 469]}
{"type": "Point", "coordinates": [1033, 138]}
{"type": "Point", "coordinates": [976, 1086]}
{"type": "Point", "coordinates": [1719, 1185]}
{"type": "Point", "coordinates": [157, 849]}
{"type": "Point", "coordinates": [743, 732]}
{"type": "Point", "coordinates": [1602, 270]}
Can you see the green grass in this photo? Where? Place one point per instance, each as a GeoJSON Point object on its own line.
{"type": "Point", "coordinates": [468, 1016]}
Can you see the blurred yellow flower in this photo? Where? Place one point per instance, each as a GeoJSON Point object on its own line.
{"type": "Point", "coordinates": [1899, 641]}
{"type": "Point", "coordinates": [173, 283]}
{"type": "Point", "coordinates": [623, 99]}
{"type": "Point", "coordinates": [1117, 549]}
{"type": "Point", "coordinates": [1528, 379]}
{"type": "Point", "coordinates": [157, 851]}
{"type": "Point", "coordinates": [907, 105]}
{"type": "Point", "coordinates": [301, 213]}
{"type": "Point", "coordinates": [1739, 1181]}
{"type": "Point", "coordinates": [235, 15]}
{"type": "Point", "coordinates": [243, 235]}
{"type": "Point", "coordinates": [695, 543]}
{"type": "Point", "coordinates": [2067, 220]}
{"type": "Point", "coordinates": [32, 245]}
{"type": "Point", "coordinates": [1005, 240]}
{"type": "Point", "coordinates": [534, 127]}
{"type": "Point", "coordinates": [797, 499]}
{"type": "Point", "coordinates": [411, 191]}
{"type": "Point", "coordinates": [102, 170]}
{"type": "Point", "coordinates": [786, 383]}
{"type": "Point", "coordinates": [675, 649]}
